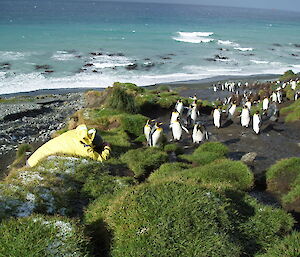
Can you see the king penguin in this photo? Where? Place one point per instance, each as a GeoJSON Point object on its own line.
{"type": "Point", "coordinates": [156, 134]}
{"type": "Point", "coordinates": [199, 133]}
{"type": "Point", "coordinates": [256, 122]}
{"type": "Point", "coordinates": [174, 116]}
{"type": "Point", "coordinates": [265, 103]}
{"type": "Point", "coordinates": [245, 117]}
{"type": "Point", "coordinates": [231, 110]}
{"type": "Point", "coordinates": [147, 130]}
{"type": "Point", "coordinates": [177, 129]}
{"type": "Point", "coordinates": [217, 117]}
{"type": "Point", "coordinates": [179, 106]}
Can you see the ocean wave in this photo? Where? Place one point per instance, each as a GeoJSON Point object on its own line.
{"type": "Point", "coordinates": [12, 56]}
{"type": "Point", "coordinates": [194, 37]}
{"type": "Point", "coordinates": [259, 62]}
{"type": "Point", "coordinates": [244, 49]}
{"type": "Point", "coordinates": [227, 43]}
{"type": "Point", "coordinates": [63, 56]}
{"type": "Point", "coordinates": [36, 81]}
{"type": "Point", "coordinates": [106, 61]}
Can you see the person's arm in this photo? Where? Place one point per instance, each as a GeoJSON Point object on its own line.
{"type": "Point", "coordinates": [104, 155]}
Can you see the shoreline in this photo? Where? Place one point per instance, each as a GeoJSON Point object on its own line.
{"type": "Point", "coordinates": [191, 83]}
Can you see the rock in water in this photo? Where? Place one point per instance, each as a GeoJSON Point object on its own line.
{"type": "Point", "coordinates": [249, 158]}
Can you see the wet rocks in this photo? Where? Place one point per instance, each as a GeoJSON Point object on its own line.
{"type": "Point", "coordinates": [96, 53]}
{"type": "Point", "coordinates": [249, 158]}
{"type": "Point", "coordinates": [276, 44]}
{"type": "Point", "coordinates": [133, 66]}
{"type": "Point", "coordinates": [297, 45]}
{"type": "Point", "coordinates": [5, 66]}
{"type": "Point", "coordinates": [42, 67]}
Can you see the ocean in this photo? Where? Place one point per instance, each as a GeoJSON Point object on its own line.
{"type": "Point", "coordinates": [73, 43]}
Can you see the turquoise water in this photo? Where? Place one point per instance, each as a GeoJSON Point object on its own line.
{"type": "Point", "coordinates": [141, 43]}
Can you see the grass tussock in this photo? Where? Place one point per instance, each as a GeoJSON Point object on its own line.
{"type": "Point", "coordinates": [42, 236]}
{"type": "Point", "coordinates": [144, 161]}
{"type": "Point", "coordinates": [292, 112]}
{"type": "Point", "coordinates": [283, 180]}
{"type": "Point", "coordinates": [183, 219]}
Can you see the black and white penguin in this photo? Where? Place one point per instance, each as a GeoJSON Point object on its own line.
{"type": "Point", "coordinates": [231, 110]}
{"type": "Point", "coordinates": [217, 117]}
{"type": "Point", "coordinates": [156, 134]}
{"type": "Point", "coordinates": [174, 116]}
{"type": "Point", "coordinates": [177, 129]}
{"type": "Point", "coordinates": [245, 117]}
{"type": "Point", "coordinates": [199, 133]}
{"type": "Point", "coordinates": [265, 103]}
{"type": "Point", "coordinates": [179, 106]}
{"type": "Point", "coordinates": [147, 130]}
{"type": "Point", "coordinates": [256, 122]}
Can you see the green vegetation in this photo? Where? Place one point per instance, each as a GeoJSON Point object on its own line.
{"type": "Point", "coordinates": [288, 75]}
{"type": "Point", "coordinates": [21, 156]}
{"type": "Point", "coordinates": [144, 161]}
{"type": "Point", "coordinates": [292, 112]}
{"type": "Point", "coordinates": [207, 153]}
{"type": "Point", "coordinates": [40, 235]}
{"type": "Point", "coordinates": [177, 149]}
{"type": "Point", "coordinates": [183, 219]}
{"type": "Point", "coordinates": [288, 247]}
{"type": "Point", "coordinates": [283, 179]}
{"type": "Point", "coordinates": [222, 173]}
{"type": "Point", "coordinates": [120, 100]}
{"type": "Point", "coordinates": [168, 170]}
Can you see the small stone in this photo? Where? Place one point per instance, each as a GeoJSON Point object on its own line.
{"type": "Point", "coordinates": [249, 158]}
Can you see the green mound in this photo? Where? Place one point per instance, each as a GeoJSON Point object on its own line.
{"type": "Point", "coordinates": [207, 153]}
{"type": "Point", "coordinates": [144, 161]}
{"type": "Point", "coordinates": [288, 247]}
{"type": "Point", "coordinates": [292, 112]}
{"type": "Point", "coordinates": [42, 236]}
{"type": "Point", "coordinates": [283, 179]}
{"type": "Point", "coordinates": [183, 219]}
{"type": "Point", "coordinates": [222, 173]}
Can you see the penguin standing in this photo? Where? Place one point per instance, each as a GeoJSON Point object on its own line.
{"type": "Point", "coordinates": [177, 129]}
{"type": "Point", "coordinates": [265, 103]}
{"type": "Point", "coordinates": [248, 104]}
{"type": "Point", "coordinates": [245, 117]}
{"type": "Point", "coordinates": [147, 130]}
{"type": "Point", "coordinates": [231, 110]}
{"type": "Point", "coordinates": [279, 96]}
{"type": "Point", "coordinates": [156, 134]}
{"type": "Point", "coordinates": [174, 116]}
{"type": "Point", "coordinates": [179, 106]}
{"type": "Point", "coordinates": [217, 117]}
{"type": "Point", "coordinates": [256, 122]}
{"type": "Point", "coordinates": [199, 133]}
{"type": "Point", "coordinates": [274, 97]}
{"type": "Point", "coordinates": [194, 113]}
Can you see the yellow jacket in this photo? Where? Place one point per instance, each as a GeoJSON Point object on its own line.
{"type": "Point", "coordinates": [74, 142]}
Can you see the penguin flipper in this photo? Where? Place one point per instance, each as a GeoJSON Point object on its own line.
{"type": "Point", "coordinates": [185, 129]}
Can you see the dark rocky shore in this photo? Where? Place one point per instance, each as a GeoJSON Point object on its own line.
{"type": "Point", "coordinates": [32, 120]}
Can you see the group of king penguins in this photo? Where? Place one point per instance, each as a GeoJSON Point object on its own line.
{"type": "Point", "coordinates": [184, 118]}
{"type": "Point", "coordinates": [181, 119]}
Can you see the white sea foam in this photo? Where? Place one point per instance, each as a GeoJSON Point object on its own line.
{"type": "Point", "coordinates": [194, 37]}
{"type": "Point", "coordinates": [244, 49]}
{"type": "Point", "coordinates": [63, 56]}
{"type": "Point", "coordinates": [227, 43]}
{"type": "Point", "coordinates": [12, 56]}
{"type": "Point", "coordinates": [259, 62]}
{"type": "Point", "coordinates": [34, 81]}
{"type": "Point", "coordinates": [105, 61]}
